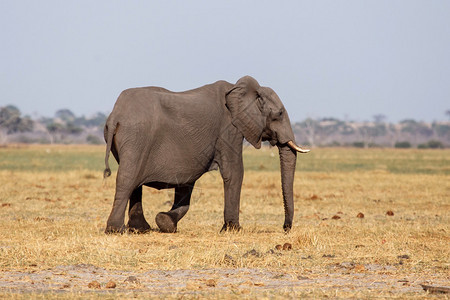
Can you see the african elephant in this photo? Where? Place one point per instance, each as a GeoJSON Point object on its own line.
{"type": "Point", "coordinates": [165, 139]}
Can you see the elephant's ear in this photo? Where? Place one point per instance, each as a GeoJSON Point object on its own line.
{"type": "Point", "coordinates": [244, 104]}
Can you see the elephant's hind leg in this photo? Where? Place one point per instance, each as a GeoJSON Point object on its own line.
{"type": "Point", "coordinates": [167, 221]}
{"type": "Point", "coordinates": [136, 219]}
{"type": "Point", "coordinates": [125, 186]}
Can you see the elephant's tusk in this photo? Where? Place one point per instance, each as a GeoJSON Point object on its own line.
{"type": "Point", "coordinates": [297, 148]}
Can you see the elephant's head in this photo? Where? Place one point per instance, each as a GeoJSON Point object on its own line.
{"type": "Point", "coordinates": [259, 115]}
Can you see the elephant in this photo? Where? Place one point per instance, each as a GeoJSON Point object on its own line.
{"type": "Point", "coordinates": [164, 139]}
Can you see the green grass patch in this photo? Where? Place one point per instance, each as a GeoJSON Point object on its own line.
{"type": "Point", "coordinates": [399, 161]}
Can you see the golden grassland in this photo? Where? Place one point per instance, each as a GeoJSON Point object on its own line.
{"type": "Point", "coordinates": [54, 204]}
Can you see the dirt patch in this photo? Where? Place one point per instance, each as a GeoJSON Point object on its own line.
{"type": "Point", "coordinates": [83, 278]}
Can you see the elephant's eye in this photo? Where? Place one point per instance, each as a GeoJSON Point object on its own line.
{"type": "Point", "coordinates": [277, 115]}
{"type": "Point", "coordinates": [280, 114]}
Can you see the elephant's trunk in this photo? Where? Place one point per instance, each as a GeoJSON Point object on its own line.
{"type": "Point", "coordinates": [288, 158]}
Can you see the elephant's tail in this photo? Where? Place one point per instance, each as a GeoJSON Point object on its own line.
{"type": "Point", "coordinates": [110, 130]}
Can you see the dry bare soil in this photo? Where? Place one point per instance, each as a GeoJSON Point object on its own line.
{"type": "Point", "coordinates": [369, 223]}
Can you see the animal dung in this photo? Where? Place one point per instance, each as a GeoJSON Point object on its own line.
{"type": "Point", "coordinates": [287, 246]}
{"type": "Point", "coordinates": [211, 282]}
{"type": "Point", "coordinates": [335, 217]}
{"type": "Point", "coordinates": [94, 285]}
{"type": "Point", "coordinates": [359, 268]}
{"type": "Point", "coordinates": [390, 213]}
{"type": "Point", "coordinates": [360, 215]}
{"type": "Point", "coordinates": [111, 285]}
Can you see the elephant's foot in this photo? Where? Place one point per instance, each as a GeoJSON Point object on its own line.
{"type": "Point", "coordinates": [166, 223]}
{"type": "Point", "coordinates": [287, 227]}
{"type": "Point", "coordinates": [113, 229]}
{"type": "Point", "coordinates": [229, 226]}
{"type": "Point", "coordinates": [136, 221]}
{"type": "Point", "coordinates": [138, 226]}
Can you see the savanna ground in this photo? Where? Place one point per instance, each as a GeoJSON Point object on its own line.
{"type": "Point", "coordinates": [368, 223]}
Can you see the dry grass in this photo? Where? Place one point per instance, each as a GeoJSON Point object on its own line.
{"type": "Point", "coordinates": [52, 218]}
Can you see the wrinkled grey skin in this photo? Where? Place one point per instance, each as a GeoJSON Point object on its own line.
{"type": "Point", "coordinates": [165, 139]}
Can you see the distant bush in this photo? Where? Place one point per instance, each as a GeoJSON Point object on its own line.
{"type": "Point", "coordinates": [334, 144]}
{"type": "Point", "coordinates": [403, 145]}
{"type": "Point", "coordinates": [422, 146]}
{"type": "Point", "coordinates": [94, 140]}
{"type": "Point", "coordinates": [358, 144]}
{"type": "Point", "coordinates": [433, 144]}
{"type": "Point", "coordinates": [373, 145]}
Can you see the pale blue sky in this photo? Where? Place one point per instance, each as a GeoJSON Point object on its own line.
{"type": "Point", "coordinates": [344, 59]}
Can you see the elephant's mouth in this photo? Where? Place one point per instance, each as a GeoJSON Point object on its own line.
{"type": "Point", "coordinates": [272, 138]}
{"type": "Point", "coordinates": [269, 136]}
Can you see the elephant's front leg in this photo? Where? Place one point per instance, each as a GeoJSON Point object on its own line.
{"type": "Point", "coordinates": [136, 219]}
{"type": "Point", "coordinates": [232, 171]}
{"type": "Point", "coordinates": [167, 221]}
{"type": "Point", "coordinates": [232, 182]}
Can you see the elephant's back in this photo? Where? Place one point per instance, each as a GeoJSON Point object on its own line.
{"type": "Point", "coordinates": [174, 130]}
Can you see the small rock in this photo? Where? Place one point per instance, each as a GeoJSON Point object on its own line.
{"type": "Point", "coordinates": [252, 252]}
{"type": "Point", "coordinates": [111, 285]}
{"type": "Point", "coordinates": [287, 246]}
{"type": "Point", "coordinates": [404, 256]}
{"type": "Point", "coordinates": [173, 247]}
{"type": "Point", "coordinates": [360, 215]}
{"type": "Point", "coordinates": [302, 278]}
{"type": "Point", "coordinates": [228, 259]}
{"type": "Point", "coordinates": [436, 289]}
{"type": "Point", "coordinates": [347, 265]}
{"type": "Point", "coordinates": [94, 285]}
{"type": "Point", "coordinates": [329, 255]}
{"type": "Point", "coordinates": [132, 279]}
{"type": "Point", "coordinates": [390, 213]}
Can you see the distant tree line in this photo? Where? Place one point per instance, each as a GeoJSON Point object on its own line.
{"type": "Point", "coordinates": [64, 128]}
{"type": "Point", "coordinates": [67, 128]}
{"type": "Point", "coordinates": [331, 132]}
